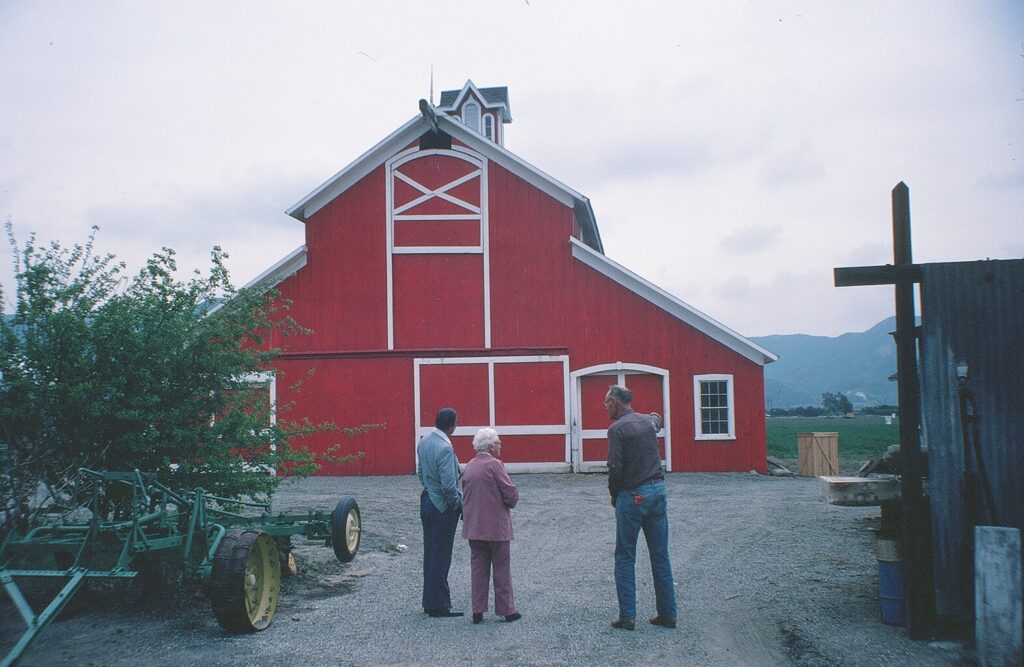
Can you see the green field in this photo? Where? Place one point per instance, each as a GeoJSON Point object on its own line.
{"type": "Point", "coordinates": [861, 438]}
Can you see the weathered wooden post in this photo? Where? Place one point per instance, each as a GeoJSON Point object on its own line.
{"type": "Point", "coordinates": [916, 552]}
{"type": "Point", "coordinates": [903, 273]}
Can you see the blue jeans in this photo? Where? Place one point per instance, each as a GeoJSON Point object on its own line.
{"type": "Point", "coordinates": [650, 515]}
{"type": "Point", "coordinates": [438, 540]}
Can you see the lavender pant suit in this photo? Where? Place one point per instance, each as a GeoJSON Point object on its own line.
{"type": "Point", "coordinates": [489, 494]}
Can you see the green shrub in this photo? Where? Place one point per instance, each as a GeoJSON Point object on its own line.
{"type": "Point", "coordinates": [104, 371]}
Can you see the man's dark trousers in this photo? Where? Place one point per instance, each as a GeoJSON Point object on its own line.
{"type": "Point", "coordinates": [438, 539]}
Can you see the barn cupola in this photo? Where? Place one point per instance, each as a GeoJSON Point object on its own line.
{"type": "Point", "coordinates": [483, 110]}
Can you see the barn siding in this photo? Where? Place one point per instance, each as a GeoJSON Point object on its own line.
{"type": "Point", "coordinates": [613, 324]}
{"type": "Point", "coordinates": [351, 392]}
{"type": "Point", "coordinates": [439, 301]}
{"type": "Point", "coordinates": [541, 299]}
{"type": "Point", "coordinates": [529, 234]}
{"type": "Point", "coordinates": [341, 293]}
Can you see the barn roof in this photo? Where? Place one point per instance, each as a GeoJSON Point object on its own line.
{"type": "Point", "coordinates": [494, 95]}
{"type": "Point", "coordinates": [671, 304]}
{"type": "Point", "coordinates": [410, 132]}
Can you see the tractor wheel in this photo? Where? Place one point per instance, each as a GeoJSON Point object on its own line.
{"type": "Point", "coordinates": [346, 527]}
{"type": "Point", "coordinates": [245, 583]}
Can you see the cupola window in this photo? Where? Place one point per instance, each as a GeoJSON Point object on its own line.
{"type": "Point", "coordinates": [489, 126]}
{"type": "Point", "coordinates": [471, 116]}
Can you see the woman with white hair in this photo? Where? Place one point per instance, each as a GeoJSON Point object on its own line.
{"type": "Point", "coordinates": [488, 495]}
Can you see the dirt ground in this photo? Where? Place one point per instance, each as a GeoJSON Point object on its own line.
{"type": "Point", "coordinates": [767, 573]}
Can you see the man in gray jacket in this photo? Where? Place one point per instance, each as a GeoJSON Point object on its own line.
{"type": "Point", "coordinates": [636, 483]}
{"type": "Point", "coordinates": [440, 509]}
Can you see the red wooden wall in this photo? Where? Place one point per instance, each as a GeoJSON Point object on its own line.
{"type": "Point", "coordinates": [541, 298]}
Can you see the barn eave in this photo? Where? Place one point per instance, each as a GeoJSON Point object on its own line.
{"type": "Point", "coordinates": [285, 267]}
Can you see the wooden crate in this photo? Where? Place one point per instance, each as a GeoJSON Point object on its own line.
{"type": "Point", "coordinates": [819, 453]}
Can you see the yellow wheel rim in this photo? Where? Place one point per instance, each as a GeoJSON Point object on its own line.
{"type": "Point", "coordinates": [262, 582]}
{"type": "Point", "coordinates": [352, 528]}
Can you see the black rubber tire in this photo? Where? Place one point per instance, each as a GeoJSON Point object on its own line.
{"type": "Point", "coordinates": [228, 580]}
{"type": "Point", "coordinates": [346, 529]}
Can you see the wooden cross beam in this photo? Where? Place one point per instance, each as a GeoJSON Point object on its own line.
{"type": "Point", "coordinates": [887, 274]}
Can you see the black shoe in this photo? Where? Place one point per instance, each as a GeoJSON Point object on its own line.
{"type": "Point", "coordinates": [664, 621]}
{"type": "Point", "coordinates": [624, 624]}
{"type": "Point", "coordinates": [513, 617]}
{"type": "Point", "coordinates": [443, 613]}
{"type": "Point", "coordinates": [478, 618]}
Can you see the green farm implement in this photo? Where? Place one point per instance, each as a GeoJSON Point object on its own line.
{"type": "Point", "coordinates": [237, 555]}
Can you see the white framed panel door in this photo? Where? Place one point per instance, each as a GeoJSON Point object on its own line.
{"type": "Point", "coordinates": [589, 426]}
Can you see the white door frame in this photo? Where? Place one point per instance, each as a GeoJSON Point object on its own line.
{"type": "Point", "coordinates": [619, 371]}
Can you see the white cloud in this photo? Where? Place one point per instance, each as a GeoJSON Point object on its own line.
{"type": "Point", "coordinates": [733, 153]}
{"type": "Point", "coordinates": [751, 239]}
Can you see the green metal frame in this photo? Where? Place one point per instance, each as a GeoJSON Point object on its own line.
{"type": "Point", "coordinates": [161, 520]}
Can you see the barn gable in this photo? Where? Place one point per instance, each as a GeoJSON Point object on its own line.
{"type": "Point", "coordinates": [441, 269]}
{"type": "Point", "coordinates": [410, 133]}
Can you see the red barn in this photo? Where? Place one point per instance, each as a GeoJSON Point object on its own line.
{"type": "Point", "coordinates": [440, 269]}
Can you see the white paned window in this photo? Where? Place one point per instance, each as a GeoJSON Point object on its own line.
{"type": "Point", "coordinates": [489, 126]}
{"type": "Point", "coordinates": [713, 407]}
{"type": "Point", "coordinates": [471, 116]}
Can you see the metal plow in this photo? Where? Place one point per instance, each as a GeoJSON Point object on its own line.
{"type": "Point", "coordinates": [237, 555]}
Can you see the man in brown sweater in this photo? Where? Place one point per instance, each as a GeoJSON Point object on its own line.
{"type": "Point", "coordinates": [637, 486]}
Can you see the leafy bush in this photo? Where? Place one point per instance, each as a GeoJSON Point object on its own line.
{"type": "Point", "coordinates": [103, 371]}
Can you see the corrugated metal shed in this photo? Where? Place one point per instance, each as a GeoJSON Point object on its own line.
{"type": "Point", "coordinates": [971, 312]}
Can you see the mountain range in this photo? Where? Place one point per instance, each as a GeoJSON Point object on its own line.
{"type": "Point", "coordinates": [856, 364]}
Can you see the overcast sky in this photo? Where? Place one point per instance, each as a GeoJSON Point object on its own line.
{"type": "Point", "coordinates": [734, 152]}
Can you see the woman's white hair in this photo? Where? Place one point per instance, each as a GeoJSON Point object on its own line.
{"type": "Point", "coordinates": [484, 438]}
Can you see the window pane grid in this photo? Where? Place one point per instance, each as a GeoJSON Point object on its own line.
{"type": "Point", "coordinates": [714, 407]}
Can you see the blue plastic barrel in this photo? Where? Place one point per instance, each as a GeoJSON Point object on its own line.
{"type": "Point", "coordinates": [892, 593]}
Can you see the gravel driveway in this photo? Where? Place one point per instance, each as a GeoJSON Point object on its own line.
{"type": "Point", "coordinates": [767, 574]}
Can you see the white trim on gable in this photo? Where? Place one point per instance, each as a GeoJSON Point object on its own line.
{"type": "Point", "coordinates": [671, 304]}
{"type": "Point", "coordinates": [475, 144]}
{"type": "Point", "coordinates": [276, 274]}
{"type": "Point", "coordinates": [357, 169]}
{"type": "Point", "coordinates": [284, 268]}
